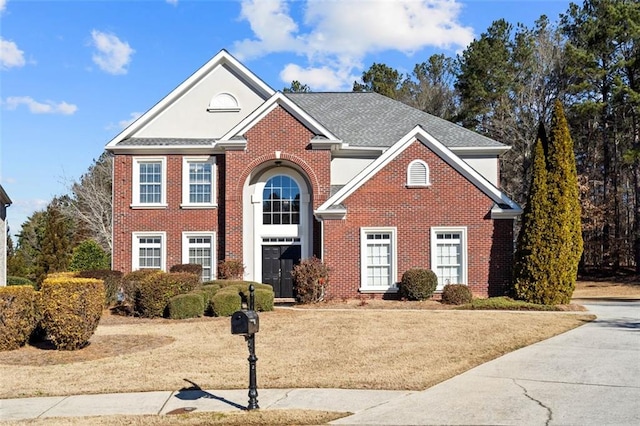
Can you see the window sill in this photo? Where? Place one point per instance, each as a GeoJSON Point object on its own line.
{"type": "Point", "coordinates": [148, 206]}
{"type": "Point", "coordinates": [378, 290]}
{"type": "Point", "coordinates": [198, 206]}
{"type": "Point", "coordinates": [417, 186]}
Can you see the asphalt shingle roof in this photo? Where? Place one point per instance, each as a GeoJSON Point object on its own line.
{"type": "Point", "coordinates": [165, 142]}
{"type": "Point", "coordinates": [368, 119]}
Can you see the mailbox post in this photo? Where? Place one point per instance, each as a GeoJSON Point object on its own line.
{"type": "Point", "coordinates": [246, 323]}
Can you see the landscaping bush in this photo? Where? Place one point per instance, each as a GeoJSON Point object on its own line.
{"type": "Point", "coordinates": [311, 278]}
{"type": "Point", "coordinates": [191, 268]}
{"type": "Point", "coordinates": [20, 281]}
{"type": "Point", "coordinates": [131, 282]}
{"type": "Point", "coordinates": [418, 284]}
{"type": "Point", "coordinates": [112, 283]}
{"type": "Point", "coordinates": [208, 291]}
{"type": "Point", "coordinates": [456, 294]}
{"type": "Point", "coordinates": [264, 299]}
{"type": "Point", "coordinates": [19, 315]}
{"type": "Point", "coordinates": [71, 310]}
{"type": "Point", "coordinates": [190, 305]}
{"type": "Point", "coordinates": [155, 291]}
{"type": "Point", "coordinates": [89, 255]}
{"type": "Point", "coordinates": [226, 302]}
{"type": "Point", "coordinates": [230, 270]}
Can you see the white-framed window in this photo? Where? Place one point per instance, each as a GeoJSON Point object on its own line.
{"type": "Point", "coordinates": [378, 259]}
{"type": "Point", "coordinates": [281, 201]}
{"type": "Point", "coordinates": [418, 174]}
{"type": "Point", "coordinates": [449, 255]}
{"type": "Point", "coordinates": [198, 182]}
{"type": "Point", "coordinates": [223, 102]}
{"type": "Point", "coordinates": [149, 250]}
{"type": "Point", "coordinates": [199, 247]}
{"type": "Point", "coordinates": [149, 182]}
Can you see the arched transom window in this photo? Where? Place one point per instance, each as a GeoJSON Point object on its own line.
{"type": "Point", "coordinates": [418, 174]}
{"type": "Point", "coordinates": [281, 201]}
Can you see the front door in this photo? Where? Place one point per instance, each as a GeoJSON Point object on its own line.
{"type": "Point", "coordinates": [277, 263]}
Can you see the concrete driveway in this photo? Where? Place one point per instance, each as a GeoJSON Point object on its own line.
{"type": "Point", "coordinates": [587, 376]}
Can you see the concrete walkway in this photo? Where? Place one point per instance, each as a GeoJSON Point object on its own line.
{"type": "Point", "coordinates": [587, 376]}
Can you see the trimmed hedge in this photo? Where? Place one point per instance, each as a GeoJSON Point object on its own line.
{"type": "Point", "coordinates": [208, 291]}
{"type": "Point", "coordinates": [192, 268]}
{"type": "Point", "coordinates": [263, 296]}
{"type": "Point", "coordinates": [456, 294]}
{"type": "Point", "coordinates": [225, 303]}
{"type": "Point", "coordinates": [71, 310]}
{"type": "Point", "coordinates": [155, 290]}
{"type": "Point", "coordinates": [20, 281]}
{"type": "Point", "coordinates": [190, 305]}
{"type": "Point", "coordinates": [19, 315]}
{"type": "Point", "coordinates": [418, 284]}
{"type": "Point", "coordinates": [112, 282]}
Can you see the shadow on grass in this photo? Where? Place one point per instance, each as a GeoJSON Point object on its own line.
{"type": "Point", "coordinates": [194, 392]}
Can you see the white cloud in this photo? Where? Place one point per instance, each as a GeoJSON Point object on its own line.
{"type": "Point", "coordinates": [173, 2]}
{"type": "Point", "coordinates": [10, 55]}
{"type": "Point", "coordinates": [47, 107]}
{"type": "Point", "coordinates": [113, 55]}
{"type": "Point", "coordinates": [324, 77]}
{"type": "Point", "coordinates": [3, 5]}
{"type": "Point", "coordinates": [123, 124]}
{"type": "Point", "coordinates": [337, 35]}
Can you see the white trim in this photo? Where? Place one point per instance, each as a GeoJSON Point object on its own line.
{"type": "Point", "coordinates": [464, 262]}
{"type": "Point", "coordinates": [185, 249]}
{"type": "Point", "coordinates": [135, 246]}
{"type": "Point", "coordinates": [393, 273]}
{"type": "Point", "coordinates": [135, 182]}
{"type": "Point", "coordinates": [186, 183]}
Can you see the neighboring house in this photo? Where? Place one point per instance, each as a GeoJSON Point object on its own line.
{"type": "Point", "coordinates": [5, 202]}
{"type": "Point", "coordinates": [225, 167]}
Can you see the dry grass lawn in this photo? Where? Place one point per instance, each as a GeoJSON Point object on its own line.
{"type": "Point", "coordinates": [596, 289]}
{"type": "Point", "coordinates": [354, 348]}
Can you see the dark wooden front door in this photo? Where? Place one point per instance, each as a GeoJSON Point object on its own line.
{"type": "Point", "coordinates": [277, 263]}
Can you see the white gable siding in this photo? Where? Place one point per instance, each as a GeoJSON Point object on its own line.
{"type": "Point", "coordinates": [486, 166]}
{"type": "Point", "coordinates": [345, 169]}
{"type": "Point", "coordinates": [188, 117]}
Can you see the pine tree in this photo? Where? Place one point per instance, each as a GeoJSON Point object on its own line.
{"type": "Point", "coordinates": [56, 242]}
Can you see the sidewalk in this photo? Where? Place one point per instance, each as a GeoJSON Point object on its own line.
{"type": "Point", "coordinates": [587, 376]}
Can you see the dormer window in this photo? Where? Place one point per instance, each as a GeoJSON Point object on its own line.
{"type": "Point", "coordinates": [223, 102]}
{"type": "Point", "coordinates": [418, 174]}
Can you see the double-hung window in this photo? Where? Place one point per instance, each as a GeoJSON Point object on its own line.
{"type": "Point", "coordinates": [149, 182]}
{"type": "Point", "coordinates": [378, 259]}
{"type": "Point", "coordinates": [198, 248]}
{"type": "Point", "coordinates": [148, 250]}
{"type": "Point", "coordinates": [198, 182]}
{"type": "Point", "coordinates": [449, 255]}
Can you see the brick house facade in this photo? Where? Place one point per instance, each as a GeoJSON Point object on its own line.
{"type": "Point", "coordinates": [224, 167]}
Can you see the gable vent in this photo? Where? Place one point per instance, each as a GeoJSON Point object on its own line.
{"type": "Point", "coordinates": [418, 174]}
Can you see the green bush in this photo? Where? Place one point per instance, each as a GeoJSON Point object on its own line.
{"type": "Point", "coordinates": [418, 284]}
{"type": "Point", "coordinates": [264, 299]}
{"type": "Point", "coordinates": [456, 294]}
{"type": "Point", "coordinates": [19, 315]}
{"type": "Point", "coordinates": [208, 291]}
{"type": "Point", "coordinates": [311, 278]}
{"type": "Point", "coordinates": [507, 304]}
{"type": "Point", "coordinates": [190, 305]}
{"type": "Point", "coordinates": [230, 270]}
{"type": "Point", "coordinates": [191, 268]}
{"type": "Point", "coordinates": [71, 310]}
{"type": "Point", "coordinates": [112, 282]}
{"type": "Point", "coordinates": [225, 303]}
{"type": "Point", "coordinates": [89, 255]}
{"type": "Point", "coordinates": [20, 281]}
{"type": "Point", "coordinates": [131, 282]}
{"type": "Point", "coordinates": [155, 291]}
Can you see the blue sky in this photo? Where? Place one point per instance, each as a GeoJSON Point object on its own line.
{"type": "Point", "coordinates": [73, 74]}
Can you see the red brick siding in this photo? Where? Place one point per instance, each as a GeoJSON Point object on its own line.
{"type": "Point", "coordinates": [385, 201]}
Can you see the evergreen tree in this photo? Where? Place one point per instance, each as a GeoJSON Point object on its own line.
{"type": "Point", "coordinates": [56, 242]}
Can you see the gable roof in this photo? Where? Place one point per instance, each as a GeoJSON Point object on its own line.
{"type": "Point", "coordinates": [4, 198]}
{"type": "Point", "coordinates": [504, 208]}
{"type": "Point", "coordinates": [368, 119]}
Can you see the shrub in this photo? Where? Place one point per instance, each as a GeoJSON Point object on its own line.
{"type": "Point", "coordinates": [230, 269]}
{"type": "Point", "coordinates": [311, 278]}
{"type": "Point", "coordinates": [191, 268]}
{"type": "Point", "coordinates": [190, 305]}
{"type": "Point", "coordinates": [131, 282]}
{"type": "Point", "coordinates": [155, 290]}
{"type": "Point", "coordinates": [89, 255]}
{"type": "Point", "coordinates": [20, 281]}
{"type": "Point", "coordinates": [263, 299]}
{"type": "Point", "coordinates": [418, 284]}
{"type": "Point", "coordinates": [208, 291]}
{"type": "Point", "coordinates": [19, 315]}
{"type": "Point", "coordinates": [456, 294]}
{"type": "Point", "coordinates": [71, 310]}
{"type": "Point", "coordinates": [225, 303]}
{"type": "Point", "coordinates": [112, 282]}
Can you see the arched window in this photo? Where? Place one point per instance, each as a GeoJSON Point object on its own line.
{"type": "Point", "coordinates": [223, 102]}
{"type": "Point", "coordinates": [281, 201]}
{"type": "Point", "coordinates": [418, 174]}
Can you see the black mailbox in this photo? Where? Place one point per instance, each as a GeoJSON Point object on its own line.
{"type": "Point", "coordinates": [245, 322]}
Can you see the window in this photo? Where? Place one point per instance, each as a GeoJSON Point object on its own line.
{"type": "Point", "coordinates": [449, 255]}
{"type": "Point", "coordinates": [378, 259]}
{"type": "Point", "coordinates": [418, 174]}
{"type": "Point", "coordinates": [149, 177]}
{"type": "Point", "coordinates": [198, 248]}
{"type": "Point", "coordinates": [148, 250]}
{"type": "Point", "coordinates": [198, 182]}
{"type": "Point", "coordinates": [223, 102]}
{"type": "Point", "coordinates": [281, 201]}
